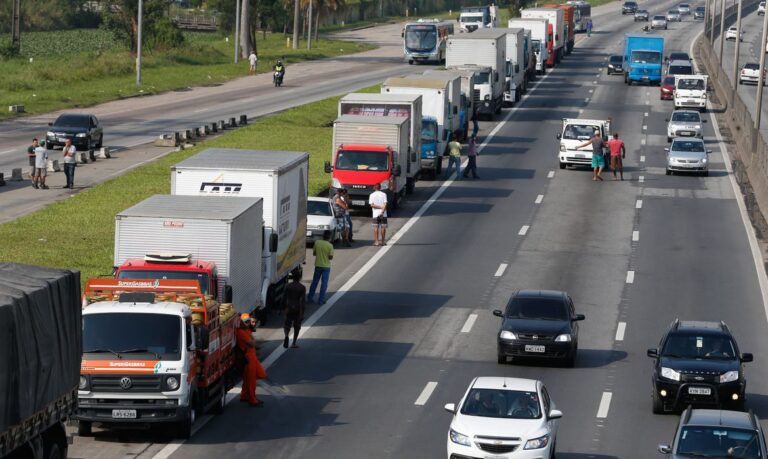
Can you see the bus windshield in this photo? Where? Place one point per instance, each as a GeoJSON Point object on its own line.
{"type": "Point", "coordinates": [420, 37]}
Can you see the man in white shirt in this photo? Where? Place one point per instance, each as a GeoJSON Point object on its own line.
{"type": "Point", "coordinates": [252, 60]}
{"type": "Point", "coordinates": [70, 161]}
{"type": "Point", "coordinates": [41, 167]}
{"type": "Point", "coordinates": [378, 202]}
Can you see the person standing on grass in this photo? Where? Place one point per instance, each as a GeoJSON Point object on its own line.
{"type": "Point", "coordinates": [471, 159]}
{"type": "Point", "coordinates": [41, 168]}
{"type": "Point", "coordinates": [31, 158]}
{"type": "Point", "coordinates": [454, 157]}
{"type": "Point", "coordinates": [252, 60]}
{"type": "Point", "coordinates": [378, 202]}
{"type": "Point", "coordinates": [70, 161]}
{"type": "Point", "coordinates": [295, 297]}
{"type": "Point", "coordinates": [618, 152]}
{"type": "Point", "coordinates": [323, 252]}
{"type": "Point", "coordinates": [598, 160]}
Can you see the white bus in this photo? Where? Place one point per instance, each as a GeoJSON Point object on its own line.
{"type": "Point", "coordinates": [582, 11]}
{"type": "Point", "coordinates": [425, 40]}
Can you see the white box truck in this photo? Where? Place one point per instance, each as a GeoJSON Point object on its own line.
{"type": "Point", "coordinates": [556, 18]}
{"type": "Point", "coordinates": [538, 28]}
{"type": "Point", "coordinates": [280, 178]}
{"type": "Point", "coordinates": [691, 91]}
{"type": "Point", "coordinates": [467, 106]}
{"type": "Point", "coordinates": [401, 105]}
{"type": "Point", "coordinates": [438, 121]}
{"type": "Point", "coordinates": [370, 150]}
{"type": "Point", "coordinates": [516, 64]}
{"type": "Point", "coordinates": [484, 47]}
{"type": "Point", "coordinates": [214, 230]}
{"type": "Point", "coordinates": [457, 106]}
{"type": "Point", "coordinates": [574, 132]}
{"type": "Point", "coordinates": [473, 18]}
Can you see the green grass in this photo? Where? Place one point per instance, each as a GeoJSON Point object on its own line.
{"type": "Point", "coordinates": [78, 233]}
{"type": "Point", "coordinates": [82, 68]}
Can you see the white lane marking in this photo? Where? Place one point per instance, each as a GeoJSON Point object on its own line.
{"type": "Point", "coordinates": [468, 324]}
{"type": "Point", "coordinates": [647, 93]}
{"type": "Point", "coordinates": [642, 141]}
{"type": "Point", "coordinates": [550, 174]}
{"type": "Point", "coordinates": [645, 128]}
{"type": "Point", "coordinates": [428, 389]}
{"type": "Point", "coordinates": [642, 158]}
{"type": "Point", "coordinates": [645, 114]}
{"type": "Point", "coordinates": [6, 151]}
{"type": "Point", "coordinates": [635, 236]}
{"type": "Point", "coordinates": [620, 331]}
{"type": "Point", "coordinates": [523, 230]}
{"type": "Point", "coordinates": [630, 277]}
{"type": "Point", "coordinates": [581, 110]}
{"type": "Point", "coordinates": [539, 198]}
{"type": "Point", "coordinates": [499, 272]}
{"type": "Point", "coordinates": [591, 91]}
{"type": "Point", "coordinates": [605, 404]}
{"type": "Point", "coordinates": [594, 82]}
{"type": "Point", "coordinates": [641, 179]}
{"type": "Point", "coordinates": [647, 101]}
{"type": "Point", "coordinates": [639, 204]}
{"type": "Point", "coordinates": [202, 110]}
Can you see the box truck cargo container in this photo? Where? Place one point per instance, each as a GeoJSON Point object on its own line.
{"type": "Point", "coordinates": [570, 26]}
{"type": "Point", "coordinates": [516, 65]}
{"type": "Point", "coordinates": [457, 106]}
{"type": "Point", "coordinates": [541, 39]}
{"type": "Point", "coordinates": [467, 107]}
{"type": "Point", "coordinates": [556, 18]}
{"type": "Point", "coordinates": [581, 14]}
{"type": "Point", "coordinates": [643, 58]}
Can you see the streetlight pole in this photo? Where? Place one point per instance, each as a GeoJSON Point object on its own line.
{"type": "Point", "coordinates": [712, 22]}
{"type": "Point", "coordinates": [296, 24]}
{"type": "Point", "coordinates": [16, 25]}
{"type": "Point", "coordinates": [736, 56]}
{"type": "Point", "coordinates": [237, 31]}
{"type": "Point", "coordinates": [722, 26]}
{"type": "Point", "coordinates": [309, 35]}
{"type": "Point", "coordinates": [759, 108]}
{"type": "Point", "coordinates": [138, 44]}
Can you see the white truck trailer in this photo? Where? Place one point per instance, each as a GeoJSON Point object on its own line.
{"type": "Point", "coordinates": [516, 65]}
{"type": "Point", "coordinates": [556, 18]}
{"type": "Point", "coordinates": [538, 28]}
{"type": "Point", "coordinates": [467, 94]}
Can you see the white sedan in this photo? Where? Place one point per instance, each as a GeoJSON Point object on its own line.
{"type": "Point", "coordinates": [750, 73]}
{"type": "Point", "coordinates": [504, 418]}
{"type": "Point", "coordinates": [320, 218]}
{"type": "Point", "coordinates": [730, 34]}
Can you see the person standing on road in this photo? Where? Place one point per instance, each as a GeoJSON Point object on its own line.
{"type": "Point", "coordinates": [471, 159]}
{"type": "Point", "coordinates": [454, 158]}
{"type": "Point", "coordinates": [378, 202]}
{"type": "Point", "coordinates": [340, 208]}
{"type": "Point", "coordinates": [589, 27]}
{"type": "Point", "coordinates": [475, 124]}
{"type": "Point", "coordinates": [70, 161]}
{"type": "Point", "coordinates": [348, 214]}
{"type": "Point", "coordinates": [295, 301]}
{"type": "Point", "coordinates": [252, 60]}
{"type": "Point", "coordinates": [41, 168]}
{"type": "Point", "coordinates": [323, 252]}
{"type": "Point", "coordinates": [598, 160]}
{"type": "Point", "coordinates": [31, 158]}
{"type": "Point", "coordinates": [618, 153]}
{"type": "Point", "coordinates": [253, 370]}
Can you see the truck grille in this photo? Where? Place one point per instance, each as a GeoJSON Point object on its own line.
{"type": "Point", "coordinates": [476, 97]}
{"type": "Point", "coordinates": [115, 383]}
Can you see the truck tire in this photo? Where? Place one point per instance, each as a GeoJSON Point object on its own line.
{"type": "Point", "coordinates": [410, 185]}
{"type": "Point", "coordinates": [84, 428]}
{"type": "Point", "coordinates": [562, 165]}
{"type": "Point", "coordinates": [219, 407]}
{"type": "Point", "coordinates": [184, 428]}
{"type": "Point", "coordinates": [54, 450]}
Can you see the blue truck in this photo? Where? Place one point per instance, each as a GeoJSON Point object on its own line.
{"type": "Point", "coordinates": [643, 57]}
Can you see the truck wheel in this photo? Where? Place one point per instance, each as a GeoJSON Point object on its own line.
{"type": "Point", "coordinates": [219, 407]}
{"type": "Point", "coordinates": [410, 185]}
{"type": "Point", "coordinates": [184, 428]}
{"type": "Point", "coordinates": [562, 165]}
{"type": "Point", "coordinates": [84, 428]}
{"type": "Point", "coordinates": [54, 450]}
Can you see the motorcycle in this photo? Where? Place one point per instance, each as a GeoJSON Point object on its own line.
{"type": "Point", "coordinates": [277, 78]}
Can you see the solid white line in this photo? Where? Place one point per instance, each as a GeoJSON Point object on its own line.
{"type": "Point", "coordinates": [6, 151]}
{"type": "Point", "coordinates": [539, 198]}
{"type": "Point", "coordinates": [550, 174]}
{"type": "Point", "coordinates": [605, 404]}
{"type": "Point", "coordinates": [641, 179]}
{"type": "Point", "coordinates": [639, 204]}
{"type": "Point", "coordinates": [630, 277]}
{"type": "Point", "coordinates": [468, 324]}
{"type": "Point", "coordinates": [523, 230]}
{"type": "Point", "coordinates": [645, 114]}
{"type": "Point", "coordinates": [428, 389]}
{"type": "Point", "coordinates": [642, 158]}
{"type": "Point", "coordinates": [201, 110]}
{"type": "Point", "coordinates": [620, 331]}
{"type": "Point", "coordinates": [499, 272]}
{"type": "Point", "coordinates": [642, 141]}
{"type": "Point", "coordinates": [635, 236]}
{"type": "Point", "coordinates": [645, 128]}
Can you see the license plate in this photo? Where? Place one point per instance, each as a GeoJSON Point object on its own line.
{"type": "Point", "coordinates": [691, 101]}
{"type": "Point", "coordinates": [309, 233]}
{"type": "Point", "coordinates": [700, 391]}
{"type": "Point", "coordinates": [580, 155]}
{"type": "Point", "coordinates": [494, 457]}
{"type": "Point", "coordinates": [61, 139]}
{"type": "Point", "coordinates": [356, 202]}
{"type": "Point", "coordinates": [124, 414]}
{"type": "Point", "coordinates": [686, 133]}
{"type": "Point", "coordinates": [532, 348]}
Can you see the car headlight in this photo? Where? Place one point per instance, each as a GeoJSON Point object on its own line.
{"type": "Point", "coordinates": [335, 183]}
{"type": "Point", "coordinates": [564, 338]}
{"type": "Point", "coordinates": [704, 160]}
{"type": "Point", "coordinates": [698, 126]}
{"type": "Point", "coordinates": [385, 185]}
{"type": "Point", "coordinates": [459, 438]}
{"type": "Point", "coordinates": [665, 90]}
{"type": "Point", "coordinates": [672, 160]}
{"type": "Point", "coordinates": [172, 382]}
{"type": "Point", "coordinates": [562, 147]}
{"type": "Point", "coordinates": [83, 384]}
{"type": "Point", "coordinates": [49, 134]}
{"type": "Point", "coordinates": [81, 134]}
{"type": "Point", "coordinates": [324, 227]}
{"type": "Point", "coordinates": [537, 443]}
{"type": "Point", "coordinates": [729, 376]}
{"type": "Point", "coordinates": [506, 334]}
{"type": "Point", "coordinates": [670, 374]}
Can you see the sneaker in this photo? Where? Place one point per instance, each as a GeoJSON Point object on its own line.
{"type": "Point", "coordinates": [45, 187]}
{"type": "Point", "coordinates": [285, 342]}
{"type": "Point", "coordinates": [34, 185]}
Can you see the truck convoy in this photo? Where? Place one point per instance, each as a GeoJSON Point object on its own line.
{"type": "Point", "coordinates": [158, 351]}
{"type": "Point", "coordinates": [424, 40]}
{"type": "Point", "coordinates": [556, 18]}
{"type": "Point", "coordinates": [643, 57]}
{"type": "Point", "coordinates": [40, 348]}
{"type": "Point", "coordinates": [482, 48]}
{"type": "Point", "coordinates": [541, 40]}
{"type": "Point", "coordinates": [516, 65]}
{"type": "Point", "coordinates": [691, 91]}
{"type": "Point", "coordinates": [457, 105]}
{"type": "Point", "coordinates": [574, 133]}
{"type": "Point", "coordinates": [370, 150]}
{"type": "Point", "coordinates": [280, 178]}
{"type": "Point", "coordinates": [473, 18]}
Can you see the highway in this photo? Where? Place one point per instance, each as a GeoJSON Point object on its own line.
{"type": "Point", "coordinates": [410, 324]}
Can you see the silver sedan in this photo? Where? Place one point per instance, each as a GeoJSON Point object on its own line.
{"type": "Point", "coordinates": [673, 15]}
{"type": "Point", "coordinates": [687, 155]}
{"type": "Point", "coordinates": [684, 123]}
{"type": "Point", "coordinates": [659, 22]}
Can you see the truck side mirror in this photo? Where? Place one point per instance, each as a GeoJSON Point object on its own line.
{"type": "Point", "coordinates": [202, 338]}
{"type": "Point", "coordinates": [328, 168]}
{"type": "Point", "coordinates": [227, 294]}
{"type": "Point", "coordinates": [413, 156]}
{"type": "Point", "coordinates": [496, 76]}
{"type": "Point", "coordinates": [517, 68]}
{"type": "Point", "coordinates": [398, 170]}
{"type": "Point", "coordinates": [559, 136]}
{"type": "Point", "coordinates": [445, 134]}
{"type": "Point", "coordinates": [273, 243]}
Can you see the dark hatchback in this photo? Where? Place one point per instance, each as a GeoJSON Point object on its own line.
{"type": "Point", "coordinates": [615, 65]}
{"type": "Point", "coordinates": [629, 8]}
{"type": "Point", "coordinates": [84, 130]}
{"type": "Point", "coordinates": [698, 363]}
{"type": "Point", "coordinates": [539, 324]}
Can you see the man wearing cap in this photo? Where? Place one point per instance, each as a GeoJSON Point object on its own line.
{"type": "Point", "coordinates": [598, 160]}
{"type": "Point", "coordinates": [253, 369]}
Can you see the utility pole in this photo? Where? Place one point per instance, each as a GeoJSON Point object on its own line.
{"type": "Point", "coordinates": [759, 108]}
{"type": "Point", "coordinates": [309, 35]}
{"type": "Point", "coordinates": [16, 25]}
{"type": "Point", "coordinates": [296, 24]}
{"type": "Point", "coordinates": [237, 31]}
{"type": "Point", "coordinates": [722, 26]}
{"type": "Point", "coordinates": [736, 56]}
{"type": "Point", "coordinates": [707, 20]}
{"type": "Point", "coordinates": [712, 22]}
{"type": "Point", "coordinates": [138, 44]}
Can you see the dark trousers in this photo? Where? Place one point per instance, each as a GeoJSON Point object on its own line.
{"type": "Point", "coordinates": [471, 166]}
{"type": "Point", "coordinates": [69, 172]}
{"type": "Point", "coordinates": [320, 276]}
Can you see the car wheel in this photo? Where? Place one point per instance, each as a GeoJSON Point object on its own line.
{"type": "Point", "coordinates": [84, 428]}
{"type": "Point", "coordinates": [410, 62]}
{"type": "Point", "coordinates": [741, 82]}
{"type": "Point", "coordinates": [669, 172]}
{"type": "Point", "coordinates": [101, 141]}
{"type": "Point", "coordinates": [184, 428]}
{"type": "Point", "coordinates": [219, 407]}
{"type": "Point", "coordinates": [658, 404]}
{"type": "Point", "coordinates": [570, 361]}
{"type": "Point", "coordinates": [501, 359]}
{"type": "Point", "coordinates": [562, 165]}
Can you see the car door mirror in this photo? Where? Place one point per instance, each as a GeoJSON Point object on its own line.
{"type": "Point", "coordinates": [498, 313]}
{"type": "Point", "coordinates": [747, 357]}
{"type": "Point", "coordinates": [50, 124]}
{"type": "Point", "coordinates": [555, 414]}
{"type": "Point", "coordinates": [666, 149]}
{"type": "Point", "coordinates": [666, 119]}
{"type": "Point", "coordinates": [559, 136]}
{"type": "Point", "coordinates": [579, 317]}
{"type": "Point", "coordinates": [450, 407]}
{"type": "Point", "coordinates": [703, 121]}
{"type": "Point", "coordinates": [328, 168]}
{"type": "Point", "coordinates": [665, 449]}
{"type": "Point", "coordinates": [709, 151]}
{"type": "Point", "coordinates": [653, 353]}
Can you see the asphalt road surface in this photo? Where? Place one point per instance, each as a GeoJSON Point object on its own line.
{"type": "Point", "coordinates": [634, 255]}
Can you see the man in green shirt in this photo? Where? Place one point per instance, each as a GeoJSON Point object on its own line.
{"type": "Point", "coordinates": [454, 157]}
{"type": "Point", "coordinates": [323, 252]}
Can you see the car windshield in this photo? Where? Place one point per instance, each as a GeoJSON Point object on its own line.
{"type": "Point", "coordinates": [700, 9]}
{"type": "Point", "coordinates": [680, 70]}
{"type": "Point", "coordinates": [686, 117]}
{"type": "Point", "coordinates": [616, 59]}
{"type": "Point", "coordinates": [673, 12]}
{"type": "Point", "coordinates": [580, 131]}
{"type": "Point", "coordinates": [705, 441]}
{"type": "Point", "coordinates": [362, 160]}
{"type": "Point", "coordinates": [537, 308]}
{"type": "Point", "coordinates": [692, 346]}
{"type": "Point", "coordinates": [687, 145]}
{"type": "Point", "coordinates": [632, 4]}
{"type": "Point", "coordinates": [319, 208]}
{"type": "Point", "coordinates": [659, 18]}
{"type": "Point", "coordinates": [499, 403]}
{"type": "Point", "coordinates": [683, 5]}
{"type": "Point", "coordinates": [71, 121]}
{"type": "Point", "coordinates": [201, 278]}
{"type": "Point", "coordinates": [646, 57]}
{"type": "Point", "coordinates": [428, 131]}
{"type": "Point", "coordinates": [669, 81]}
{"type": "Point", "coordinates": [123, 332]}
{"type": "Point", "coordinates": [679, 57]}
{"type": "Point", "coordinates": [692, 84]}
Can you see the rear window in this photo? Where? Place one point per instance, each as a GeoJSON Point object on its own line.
{"type": "Point", "coordinates": [659, 18]}
{"type": "Point", "coordinates": [752, 66]}
{"type": "Point", "coordinates": [670, 81]}
{"type": "Point", "coordinates": [616, 59]}
{"type": "Point", "coordinates": [680, 70]}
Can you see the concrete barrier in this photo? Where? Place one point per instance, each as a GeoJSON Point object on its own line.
{"type": "Point", "coordinates": [16, 108]}
{"type": "Point", "coordinates": [168, 140]}
{"type": "Point", "coordinates": [232, 123]}
{"type": "Point", "coordinates": [82, 157]}
{"type": "Point", "coordinates": [188, 135]}
{"type": "Point", "coordinates": [243, 120]}
{"type": "Point", "coordinates": [214, 127]}
{"type": "Point", "coordinates": [92, 156]}
{"type": "Point", "coordinates": [222, 125]}
{"type": "Point", "coordinates": [15, 175]}
{"type": "Point", "coordinates": [53, 165]}
{"type": "Point", "coordinates": [103, 153]}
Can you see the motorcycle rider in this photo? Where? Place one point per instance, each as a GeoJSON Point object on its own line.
{"type": "Point", "coordinates": [279, 69]}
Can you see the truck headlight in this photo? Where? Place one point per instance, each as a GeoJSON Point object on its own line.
{"type": "Point", "coordinates": [670, 374]}
{"type": "Point", "coordinates": [82, 134]}
{"type": "Point", "coordinates": [508, 335]}
{"type": "Point", "coordinates": [459, 438]}
{"type": "Point", "coordinates": [384, 185]}
{"type": "Point", "coordinates": [335, 183]}
{"type": "Point", "coordinates": [49, 134]}
{"type": "Point", "coordinates": [564, 338]}
{"type": "Point", "coordinates": [487, 97]}
{"type": "Point", "coordinates": [729, 376]}
{"type": "Point", "coordinates": [83, 384]}
{"type": "Point", "coordinates": [562, 147]}
{"type": "Point", "coordinates": [537, 443]}
{"type": "Point", "coordinates": [324, 227]}
{"type": "Point", "coordinates": [172, 382]}
{"type": "Point", "coordinates": [704, 160]}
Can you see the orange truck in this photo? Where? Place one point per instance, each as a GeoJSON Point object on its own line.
{"type": "Point", "coordinates": [154, 352]}
{"type": "Point", "coordinates": [570, 25]}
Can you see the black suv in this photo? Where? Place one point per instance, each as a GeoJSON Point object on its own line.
{"type": "Point", "coordinates": [698, 363]}
{"type": "Point", "coordinates": [539, 324]}
{"type": "Point", "coordinates": [716, 433]}
{"type": "Point", "coordinates": [84, 130]}
{"type": "Point", "coordinates": [628, 8]}
{"type": "Point", "coordinates": [698, 13]}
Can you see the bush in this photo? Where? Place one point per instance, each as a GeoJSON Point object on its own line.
{"type": "Point", "coordinates": [164, 34]}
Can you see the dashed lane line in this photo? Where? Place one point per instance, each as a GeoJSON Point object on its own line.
{"type": "Point", "coordinates": [639, 204]}
{"type": "Point", "coordinates": [426, 393]}
{"type": "Point", "coordinates": [550, 174]}
{"type": "Point", "coordinates": [635, 236]}
{"type": "Point", "coordinates": [620, 330]}
{"type": "Point", "coordinates": [500, 272]}
{"type": "Point", "coordinates": [523, 231]}
{"type": "Point", "coordinates": [630, 277]}
{"type": "Point", "coordinates": [539, 198]}
{"type": "Point", "coordinates": [469, 323]}
{"type": "Point", "coordinates": [605, 405]}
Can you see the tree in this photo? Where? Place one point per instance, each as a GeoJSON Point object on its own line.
{"type": "Point", "coordinates": [514, 8]}
{"type": "Point", "coordinates": [121, 16]}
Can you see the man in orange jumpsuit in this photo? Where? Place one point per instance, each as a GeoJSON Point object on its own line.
{"type": "Point", "coordinates": [253, 369]}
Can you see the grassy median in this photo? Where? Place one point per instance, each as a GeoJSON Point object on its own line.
{"type": "Point", "coordinates": [78, 233]}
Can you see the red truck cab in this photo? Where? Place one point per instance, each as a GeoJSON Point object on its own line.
{"type": "Point", "coordinates": [173, 267]}
{"type": "Point", "coordinates": [552, 59]}
{"type": "Point", "coordinates": [357, 168]}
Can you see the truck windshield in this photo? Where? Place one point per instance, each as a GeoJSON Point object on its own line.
{"type": "Point", "coordinates": [321, 208]}
{"type": "Point", "coordinates": [646, 57]}
{"type": "Point", "coordinates": [579, 131]}
{"type": "Point", "coordinates": [690, 84]}
{"type": "Point", "coordinates": [482, 78]}
{"type": "Point", "coordinates": [348, 160]}
{"type": "Point", "coordinates": [536, 46]}
{"type": "Point", "coordinates": [420, 37]}
{"type": "Point", "coordinates": [428, 131]}
{"type": "Point", "coordinates": [202, 278]}
{"type": "Point", "coordinates": [124, 332]}
{"type": "Point", "coordinates": [472, 18]}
